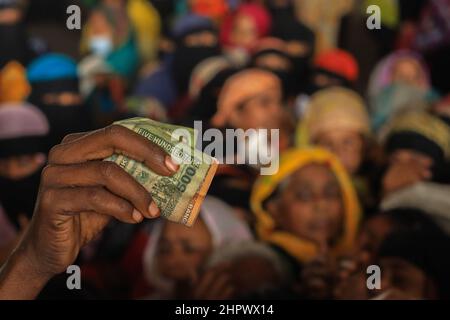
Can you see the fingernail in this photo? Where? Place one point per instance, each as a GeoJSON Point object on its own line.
{"type": "Point", "coordinates": [137, 216]}
{"type": "Point", "coordinates": [171, 165]}
{"type": "Point", "coordinates": [153, 210]}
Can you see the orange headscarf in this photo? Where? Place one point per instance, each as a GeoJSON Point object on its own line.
{"type": "Point", "coordinates": [14, 86]}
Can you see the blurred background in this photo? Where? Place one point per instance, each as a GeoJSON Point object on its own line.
{"type": "Point", "coordinates": [364, 120]}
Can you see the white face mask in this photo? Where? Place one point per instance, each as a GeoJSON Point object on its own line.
{"type": "Point", "coordinates": [101, 45]}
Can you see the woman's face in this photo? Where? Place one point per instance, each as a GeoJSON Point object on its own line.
{"type": "Point", "coordinates": [182, 250]}
{"type": "Point", "coordinates": [347, 145]}
{"type": "Point", "coordinates": [262, 111]}
{"type": "Point", "coordinates": [99, 26]}
{"type": "Point", "coordinates": [244, 33]}
{"type": "Point", "coordinates": [408, 71]}
{"type": "Point", "coordinates": [310, 205]}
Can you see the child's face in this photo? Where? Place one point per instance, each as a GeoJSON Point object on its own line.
{"type": "Point", "coordinates": [347, 145]}
{"type": "Point", "coordinates": [182, 250]}
{"type": "Point", "coordinates": [310, 205]}
{"type": "Point", "coordinates": [262, 111]}
{"type": "Point", "coordinates": [244, 33]}
{"type": "Point", "coordinates": [372, 235]}
{"type": "Point", "coordinates": [405, 278]}
{"type": "Point", "coordinates": [19, 167]}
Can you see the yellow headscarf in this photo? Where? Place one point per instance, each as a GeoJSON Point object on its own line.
{"type": "Point", "coordinates": [330, 109]}
{"type": "Point", "coordinates": [14, 86]}
{"type": "Point", "coordinates": [291, 161]}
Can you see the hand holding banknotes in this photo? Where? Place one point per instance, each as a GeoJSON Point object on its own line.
{"type": "Point", "coordinates": [79, 194]}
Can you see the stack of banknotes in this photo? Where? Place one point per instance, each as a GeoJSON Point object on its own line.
{"type": "Point", "coordinates": [180, 196]}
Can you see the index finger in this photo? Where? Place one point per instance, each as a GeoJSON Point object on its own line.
{"type": "Point", "coordinates": [114, 139]}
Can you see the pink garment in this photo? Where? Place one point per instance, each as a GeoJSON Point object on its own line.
{"type": "Point", "coordinates": [22, 120]}
{"type": "Point", "coordinates": [381, 76]}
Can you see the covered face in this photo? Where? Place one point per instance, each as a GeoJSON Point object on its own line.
{"type": "Point", "coordinates": [309, 203]}
{"type": "Point", "coordinates": [176, 254]}
{"type": "Point", "coordinates": [108, 28]}
{"type": "Point", "coordinates": [250, 99]}
{"type": "Point", "coordinates": [108, 34]}
{"type": "Point", "coordinates": [14, 43]}
{"type": "Point", "coordinates": [55, 90]}
{"type": "Point", "coordinates": [196, 40]}
{"type": "Point", "coordinates": [23, 129]}
{"type": "Point", "coordinates": [337, 120]}
{"type": "Point", "coordinates": [272, 54]}
{"type": "Point", "coordinates": [401, 67]}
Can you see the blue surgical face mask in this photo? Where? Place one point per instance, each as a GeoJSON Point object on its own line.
{"type": "Point", "coordinates": [101, 45]}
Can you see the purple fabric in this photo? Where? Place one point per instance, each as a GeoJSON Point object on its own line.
{"type": "Point", "coordinates": [22, 120]}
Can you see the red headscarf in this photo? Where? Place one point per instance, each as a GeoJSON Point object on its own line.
{"type": "Point", "coordinates": [256, 12]}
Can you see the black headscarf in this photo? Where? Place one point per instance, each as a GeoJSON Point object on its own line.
{"type": "Point", "coordinates": [186, 57]}
{"type": "Point", "coordinates": [426, 250]}
{"type": "Point", "coordinates": [419, 143]}
{"type": "Point", "coordinates": [63, 120]}
{"type": "Point", "coordinates": [288, 28]}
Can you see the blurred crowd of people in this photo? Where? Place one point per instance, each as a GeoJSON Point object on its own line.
{"type": "Point", "coordinates": [363, 179]}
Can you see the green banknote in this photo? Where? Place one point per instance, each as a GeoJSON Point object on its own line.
{"type": "Point", "coordinates": [180, 196]}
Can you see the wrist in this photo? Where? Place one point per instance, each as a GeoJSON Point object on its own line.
{"type": "Point", "coordinates": [20, 277]}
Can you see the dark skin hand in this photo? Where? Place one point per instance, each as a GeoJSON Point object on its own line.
{"type": "Point", "coordinates": [79, 194]}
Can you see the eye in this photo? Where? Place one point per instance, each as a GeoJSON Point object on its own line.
{"type": "Point", "coordinates": [304, 195]}
{"type": "Point", "coordinates": [191, 248]}
{"type": "Point", "coordinates": [332, 192]}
